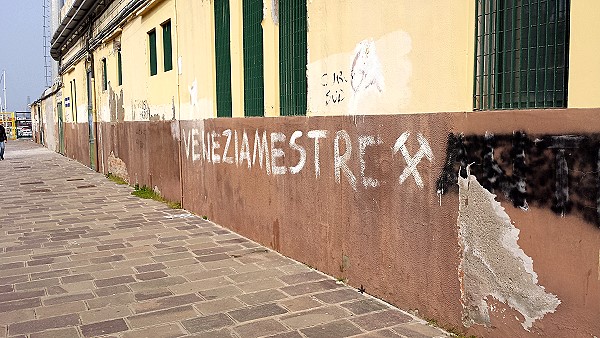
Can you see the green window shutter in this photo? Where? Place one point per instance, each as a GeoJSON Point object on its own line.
{"type": "Point", "coordinates": [253, 58]}
{"type": "Point", "coordinates": [119, 68]}
{"type": "Point", "coordinates": [152, 46]}
{"type": "Point", "coordinates": [292, 57]}
{"type": "Point", "coordinates": [521, 50]}
{"type": "Point", "coordinates": [223, 58]}
{"type": "Point", "coordinates": [104, 75]}
{"type": "Point", "coordinates": [167, 47]}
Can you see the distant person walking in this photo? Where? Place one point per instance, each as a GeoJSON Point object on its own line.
{"type": "Point", "coordinates": [2, 141]}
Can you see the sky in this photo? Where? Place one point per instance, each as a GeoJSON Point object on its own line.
{"type": "Point", "coordinates": [22, 52]}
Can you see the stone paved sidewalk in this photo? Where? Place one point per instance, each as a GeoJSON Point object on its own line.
{"type": "Point", "coordinates": [81, 257]}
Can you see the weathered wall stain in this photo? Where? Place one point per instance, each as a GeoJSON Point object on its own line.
{"type": "Point", "coordinates": [492, 262]}
{"type": "Point", "coordinates": [144, 154]}
{"type": "Point", "coordinates": [115, 105]}
{"type": "Point", "coordinates": [556, 171]}
{"type": "Point", "coordinates": [120, 107]}
{"type": "Point", "coordinates": [117, 167]}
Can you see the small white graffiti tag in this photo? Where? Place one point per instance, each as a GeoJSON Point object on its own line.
{"type": "Point", "coordinates": [412, 162]}
{"type": "Point", "coordinates": [188, 215]}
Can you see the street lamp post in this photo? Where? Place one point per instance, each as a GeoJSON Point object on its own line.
{"type": "Point", "coordinates": [3, 99]}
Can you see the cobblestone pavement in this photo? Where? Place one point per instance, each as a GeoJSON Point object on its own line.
{"type": "Point", "coordinates": [81, 257]}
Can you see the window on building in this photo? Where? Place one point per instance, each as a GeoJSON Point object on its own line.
{"type": "Point", "coordinates": [167, 46]}
{"type": "Point", "coordinates": [119, 68]}
{"type": "Point", "coordinates": [152, 52]}
{"type": "Point", "coordinates": [253, 58]}
{"type": "Point", "coordinates": [104, 75]}
{"type": "Point", "coordinates": [292, 57]}
{"type": "Point", "coordinates": [223, 58]}
{"type": "Point", "coordinates": [521, 54]}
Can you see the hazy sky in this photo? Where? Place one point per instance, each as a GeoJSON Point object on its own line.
{"type": "Point", "coordinates": [22, 51]}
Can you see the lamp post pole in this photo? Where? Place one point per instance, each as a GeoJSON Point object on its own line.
{"type": "Point", "coordinates": [3, 91]}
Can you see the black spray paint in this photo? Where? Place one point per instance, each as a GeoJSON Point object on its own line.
{"type": "Point", "coordinates": [558, 172]}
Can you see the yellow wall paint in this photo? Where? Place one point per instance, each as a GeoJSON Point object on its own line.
{"type": "Point", "coordinates": [134, 45]}
{"type": "Point", "coordinates": [197, 49]}
{"type": "Point", "coordinates": [162, 87]}
{"type": "Point", "coordinates": [145, 97]}
{"type": "Point", "coordinates": [270, 59]}
{"type": "Point", "coordinates": [77, 95]}
{"type": "Point", "coordinates": [584, 51]}
{"type": "Point", "coordinates": [237, 58]}
{"type": "Point", "coordinates": [403, 63]}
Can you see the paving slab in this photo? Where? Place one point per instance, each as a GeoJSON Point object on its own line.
{"type": "Point", "coordinates": [81, 257]}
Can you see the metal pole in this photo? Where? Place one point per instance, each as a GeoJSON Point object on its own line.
{"type": "Point", "coordinates": [1, 110]}
{"type": "Point", "coordinates": [4, 90]}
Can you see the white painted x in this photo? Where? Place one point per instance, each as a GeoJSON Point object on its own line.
{"type": "Point", "coordinates": [412, 162]}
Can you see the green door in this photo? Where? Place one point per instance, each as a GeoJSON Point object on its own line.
{"type": "Point", "coordinates": [61, 129]}
{"type": "Point", "coordinates": [223, 58]}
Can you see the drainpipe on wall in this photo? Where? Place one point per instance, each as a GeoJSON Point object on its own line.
{"type": "Point", "coordinates": [95, 116]}
{"type": "Point", "coordinates": [179, 102]}
{"type": "Point", "coordinates": [93, 91]}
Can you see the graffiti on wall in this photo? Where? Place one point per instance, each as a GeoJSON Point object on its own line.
{"type": "Point", "coordinates": [333, 85]}
{"type": "Point", "coordinates": [140, 108]}
{"type": "Point", "coordinates": [561, 172]}
{"type": "Point", "coordinates": [268, 151]}
{"type": "Point", "coordinates": [366, 68]}
{"type": "Point", "coordinates": [363, 75]}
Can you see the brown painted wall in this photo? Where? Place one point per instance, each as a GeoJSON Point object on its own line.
{"type": "Point", "coordinates": [77, 142]}
{"type": "Point", "coordinates": [398, 240]}
{"type": "Point", "coordinates": [388, 230]}
{"type": "Point", "coordinates": [147, 151]}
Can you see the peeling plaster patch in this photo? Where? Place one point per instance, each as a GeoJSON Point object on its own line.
{"type": "Point", "coordinates": [117, 167]}
{"type": "Point", "coordinates": [492, 262]}
{"type": "Point", "coordinates": [173, 107]}
{"type": "Point", "coordinates": [112, 104]}
{"type": "Point", "coordinates": [175, 130]}
{"type": "Point", "coordinates": [120, 107]}
{"type": "Point", "coordinates": [275, 11]}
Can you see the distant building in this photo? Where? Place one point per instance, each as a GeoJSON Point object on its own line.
{"type": "Point", "coordinates": [23, 124]}
{"type": "Point", "coordinates": [343, 133]}
{"type": "Point", "coordinates": [8, 120]}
